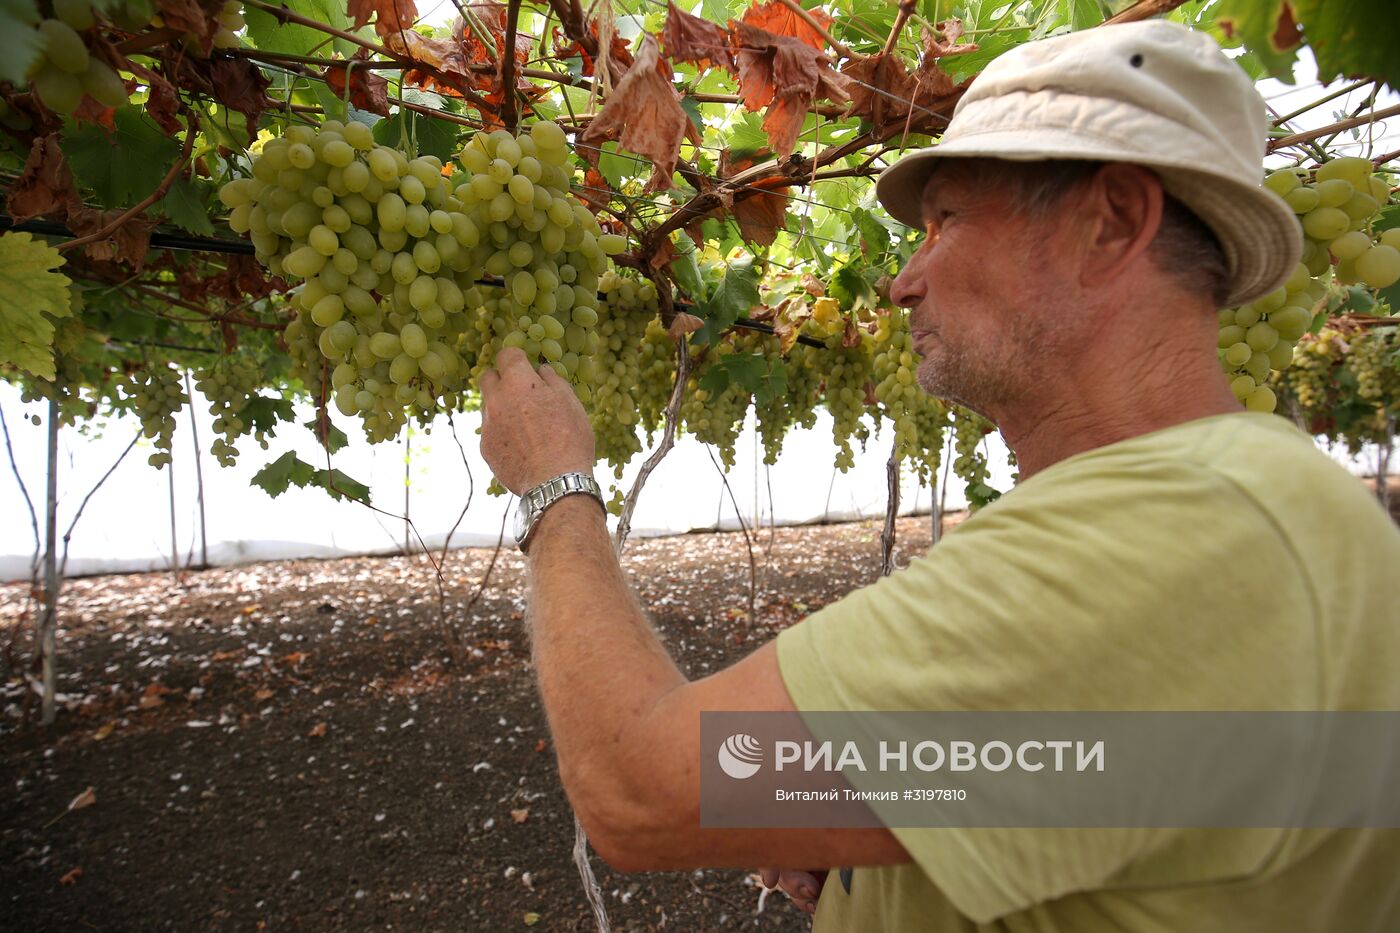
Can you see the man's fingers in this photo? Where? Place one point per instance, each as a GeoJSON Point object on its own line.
{"type": "Point", "coordinates": [769, 876]}
{"type": "Point", "coordinates": [512, 360]}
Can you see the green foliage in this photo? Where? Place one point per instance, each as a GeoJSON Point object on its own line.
{"type": "Point", "coordinates": [290, 470]}
{"type": "Point", "coordinates": [32, 293]}
{"type": "Point", "coordinates": [734, 296]}
{"type": "Point", "coordinates": [418, 134]}
{"type": "Point", "coordinates": [272, 36]}
{"type": "Point", "coordinates": [122, 166]}
{"type": "Point", "coordinates": [187, 205]}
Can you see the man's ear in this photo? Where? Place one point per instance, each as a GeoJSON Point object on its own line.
{"type": "Point", "coordinates": [1122, 207]}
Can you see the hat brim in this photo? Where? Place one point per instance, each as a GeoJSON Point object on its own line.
{"type": "Point", "coordinates": [1259, 234]}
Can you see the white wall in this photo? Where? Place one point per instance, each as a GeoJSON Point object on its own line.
{"type": "Point", "coordinates": [126, 525]}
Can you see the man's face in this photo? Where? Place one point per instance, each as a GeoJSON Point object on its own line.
{"type": "Point", "coordinates": [984, 292]}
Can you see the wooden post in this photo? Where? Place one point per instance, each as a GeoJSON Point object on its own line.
{"type": "Point", "coordinates": [407, 480]}
{"type": "Point", "coordinates": [48, 630]}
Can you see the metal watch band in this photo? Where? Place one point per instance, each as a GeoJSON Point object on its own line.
{"type": "Point", "coordinates": [547, 493]}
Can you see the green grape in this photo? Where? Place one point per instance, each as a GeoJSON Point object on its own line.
{"type": "Point", "coordinates": [60, 91]}
{"type": "Point", "coordinates": [63, 47]}
{"type": "Point", "coordinates": [76, 13]}
{"type": "Point", "coordinates": [103, 84]}
{"type": "Point", "coordinates": [1326, 223]}
{"type": "Point", "coordinates": [1379, 266]}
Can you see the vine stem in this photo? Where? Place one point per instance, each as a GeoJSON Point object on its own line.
{"type": "Point", "coordinates": [1372, 117]}
{"type": "Point", "coordinates": [668, 440]}
{"type": "Point", "coordinates": [836, 45]}
{"type": "Point", "coordinates": [48, 635]}
{"type": "Point", "coordinates": [1318, 103]}
{"type": "Point", "coordinates": [891, 512]}
{"type": "Point", "coordinates": [1144, 9]}
{"type": "Point", "coordinates": [68, 535]}
{"type": "Point", "coordinates": [508, 102]}
{"type": "Point", "coordinates": [144, 203]}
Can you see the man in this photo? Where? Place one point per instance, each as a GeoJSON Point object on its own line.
{"type": "Point", "coordinates": [1164, 550]}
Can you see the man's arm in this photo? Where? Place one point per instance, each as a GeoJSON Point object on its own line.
{"type": "Point", "coordinates": [625, 721]}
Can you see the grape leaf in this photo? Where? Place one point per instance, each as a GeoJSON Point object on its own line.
{"type": "Point", "coordinates": [122, 166]}
{"type": "Point", "coordinates": [774, 385]}
{"type": "Point", "coordinates": [736, 295]}
{"type": "Point", "coordinates": [290, 470]}
{"type": "Point", "coordinates": [187, 206]}
{"type": "Point", "coordinates": [335, 439]}
{"type": "Point", "coordinates": [715, 380]}
{"type": "Point", "coordinates": [434, 137]}
{"type": "Point", "coordinates": [779, 19]}
{"type": "Point", "coordinates": [31, 293]}
{"type": "Point", "coordinates": [270, 35]}
{"type": "Point", "coordinates": [1265, 28]}
{"type": "Point", "coordinates": [686, 269]}
{"type": "Point", "coordinates": [644, 115]}
{"type": "Point", "coordinates": [263, 413]}
{"type": "Point", "coordinates": [1352, 37]}
{"type": "Point", "coordinates": [20, 45]}
{"type": "Point", "coordinates": [746, 369]}
{"type": "Point", "coordinates": [786, 75]}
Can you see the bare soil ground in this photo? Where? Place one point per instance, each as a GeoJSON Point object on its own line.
{"type": "Point", "coordinates": [286, 746]}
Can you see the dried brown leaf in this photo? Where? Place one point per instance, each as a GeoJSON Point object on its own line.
{"type": "Point", "coordinates": [317, 731]}
{"type": "Point", "coordinates": [644, 115]}
{"type": "Point", "coordinates": [71, 876]}
{"type": "Point", "coordinates": [368, 90]}
{"type": "Point", "coordinates": [390, 16]}
{"type": "Point", "coordinates": [692, 39]}
{"type": "Point", "coordinates": [46, 184]}
{"type": "Point", "coordinates": [520, 816]}
{"type": "Point", "coordinates": [240, 86]}
{"type": "Point", "coordinates": [86, 799]}
{"type": "Point", "coordinates": [786, 76]}
{"type": "Point", "coordinates": [684, 323]}
{"type": "Point", "coordinates": [778, 18]}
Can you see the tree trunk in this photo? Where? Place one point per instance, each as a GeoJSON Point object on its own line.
{"type": "Point", "coordinates": [48, 630]}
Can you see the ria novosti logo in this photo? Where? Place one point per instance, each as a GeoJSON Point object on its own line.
{"type": "Point", "coordinates": [740, 756]}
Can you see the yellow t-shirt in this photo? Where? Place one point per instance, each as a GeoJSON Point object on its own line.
{"type": "Point", "coordinates": [1219, 564]}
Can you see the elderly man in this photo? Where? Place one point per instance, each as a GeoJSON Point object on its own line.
{"type": "Point", "coordinates": [1164, 550]}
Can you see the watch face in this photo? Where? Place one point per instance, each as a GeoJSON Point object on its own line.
{"type": "Point", "coordinates": [522, 521]}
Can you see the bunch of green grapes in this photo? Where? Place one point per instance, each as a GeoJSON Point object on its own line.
{"type": "Point", "coordinates": [1345, 384]}
{"type": "Point", "coordinates": [969, 463]}
{"type": "Point", "coordinates": [155, 393]}
{"type": "Point", "coordinates": [1374, 362]}
{"type": "Point", "coordinates": [796, 406]}
{"type": "Point", "coordinates": [230, 385]}
{"type": "Point", "coordinates": [1258, 337]}
{"type": "Point", "coordinates": [65, 70]}
{"type": "Point", "coordinates": [848, 378]}
{"type": "Point", "coordinates": [919, 419]}
{"type": "Point", "coordinates": [715, 418]}
{"type": "Point", "coordinates": [612, 369]}
{"type": "Point", "coordinates": [388, 252]}
{"type": "Point", "coordinates": [656, 377]}
{"type": "Point", "coordinates": [1308, 380]}
{"type": "Point", "coordinates": [1337, 208]}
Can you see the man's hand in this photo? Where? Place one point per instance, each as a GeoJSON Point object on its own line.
{"type": "Point", "coordinates": [802, 887]}
{"type": "Point", "coordinates": [532, 425]}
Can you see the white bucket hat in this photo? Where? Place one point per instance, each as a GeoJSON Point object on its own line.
{"type": "Point", "coordinates": [1152, 93]}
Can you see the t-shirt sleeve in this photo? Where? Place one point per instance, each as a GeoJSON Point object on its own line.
{"type": "Point", "coordinates": [1098, 589]}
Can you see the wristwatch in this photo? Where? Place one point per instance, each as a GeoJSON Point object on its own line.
{"type": "Point", "coordinates": [535, 501]}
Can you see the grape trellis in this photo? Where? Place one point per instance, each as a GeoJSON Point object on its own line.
{"type": "Point", "coordinates": [348, 205]}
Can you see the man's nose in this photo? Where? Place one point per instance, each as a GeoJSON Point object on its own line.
{"type": "Point", "coordinates": [910, 286]}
